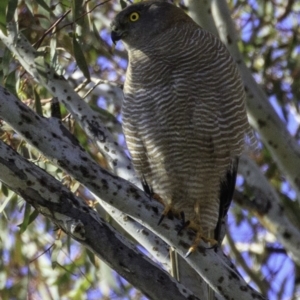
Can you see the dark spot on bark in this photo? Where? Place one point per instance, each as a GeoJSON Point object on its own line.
{"type": "Point", "coordinates": [75, 201]}
{"type": "Point", "coordinates": [155, 209]}
{"type": "Point", "coordinates": [51, 188]}
{"type": "Point", "coordinates": [5, 91]}
{"type": "Point", "coordinates": [221, 279]}
{"type": "Point", "coordinates": [85, 209]}
{"type": "Point", "coordinates": [69, 98]}
{"type": "Point", "coordinates": [54, 135]}
{"type": "Point", "coordinates": [116, 143]}
{"type": "Point", "coordinates": [133, 192]}
{"type": "Point", "coordinates": [83, 158]}
{"type": "Point", "coordinates": [229, 40]}
{"type": "Point", "coordinates": [27, 135]}
{"type": "Point", "coordinates": [160, 279]}
{"type": "Point", "coordinates": [275, 146]}
{"type": "Point", "coordinates": [106, 148]}
{"type": "Point", "coordinates": [115, 162]}
{"type": "Point", "coordinates": [128, 167]}
{"type": "Point", "coordinates": [144, 232]}
{"type": "Point", "coordinates": [26, 118]}
{"type": "Point", "coordinates": [53, 89]}
{"type": "Point", "coordinates": [94, 128]}
{"type": "Point", "coordinates": [104, 184]}
{"type": "Point", "coordinates": [287, 235]}
{"type": "Point", "coordinates": [234, 275]}
{"type": "Point", "coordinates": [297, 181]}
{"type": "Point", "coordinates": [265, 209]}
{"type": "Point", "coordinates": [261, 123]}
{"type": "Point", "coordinates": [84, 170]}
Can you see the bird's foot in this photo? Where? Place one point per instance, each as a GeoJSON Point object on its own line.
{"type": "Point", "coordinates": [167, 210]}
{"type": "Point", "coordinates": [184, 224]}
{"type": "Point", "coordinates": [198, 239]}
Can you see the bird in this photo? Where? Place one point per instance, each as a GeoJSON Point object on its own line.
{"type": "Point", "coordinates": [183, 114]}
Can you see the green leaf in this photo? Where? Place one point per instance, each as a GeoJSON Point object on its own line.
{"type": "Point", "coordinates": [123, 4]}
{"type": "Point", "coordinates": [80, 59]}
{"type": "Point", "coordinates": [43, 4]}
{"type": "Point", "coordinates": [3, 5]}
{"type": "Point", "coordinates": [91, 256]}
{"type": "Point", "coordinates": [37, 100]}
{"type": "Point", "coordinates": [12, 6]}
{"type": "Point", "coordinates": [25, 223]}
{"type": "Point", "coordinates": [7, 56]}
{"type": "Point", "coordinates": [10, 82]}
{"type": "Point", "coordinates": [54, 254]}
{"type": "Point", "coordinates": [77, 9]}
{"type": "Point", "coordinates": [33, 216]}
{"type": "Point", "coordinates": [4, 190]}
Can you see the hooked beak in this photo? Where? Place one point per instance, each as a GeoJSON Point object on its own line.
{"type": "Point", "coordinates": [115, 36]}
{"type": "Point", "coordinates": [116, 33]}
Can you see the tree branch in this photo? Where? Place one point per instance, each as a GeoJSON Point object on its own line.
{"type": "Point", "coordinates": [83, 224]}
{"type": "Point", "coordinates": [284, 148]}
{"type": "Point", "coordinates": [55, 142]}
{"type": "Point", "coordinates": [268, 209]}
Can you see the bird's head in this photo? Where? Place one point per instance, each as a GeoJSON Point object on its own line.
{"type": "Point", "coordinates": [138, 24]}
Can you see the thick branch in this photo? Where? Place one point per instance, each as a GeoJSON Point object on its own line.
{"type": "Point", "coordinates": [62, 148]}
{"type": "Point", "coordinates": [91, 124]}
{"type": "Point", "coordinates": [268, 208]}
{"type": "Point", "coordinates": [200, 12]}
{"type": "Point", "coordinates": [85, 116]}
{"type": "Point", "coordinates": [34, 64]}
{"type": "Point", "coordinates": [84, 225]}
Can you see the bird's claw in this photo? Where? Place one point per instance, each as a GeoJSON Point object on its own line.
{"type": "Point", "coordinates": [189, 252]}
{"type": "Point", "coordinates": [147, 188]}
{"type": "Point", "coordinates": [184, 224]}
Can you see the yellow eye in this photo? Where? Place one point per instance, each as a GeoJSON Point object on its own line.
{"type": "Point", "coordinates": [134, 17]}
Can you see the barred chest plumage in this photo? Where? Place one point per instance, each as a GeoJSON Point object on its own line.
{"type": "Point", "coordinates": [183, 118]}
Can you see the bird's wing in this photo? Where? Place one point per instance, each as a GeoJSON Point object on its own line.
{"type": "Point", "coordinates": [226, 194]}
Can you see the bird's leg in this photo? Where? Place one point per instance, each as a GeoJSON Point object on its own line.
{"type": "Point", "coordinates": [184, 224]}
{"type": "Point", "coordinates": [149, 191]}
{"type": "Point", "coordinates": [197, 240]}
{"type": "Point", "coordinates": [196, 226]}
{"type": "Point", "coordinates": [166, 211]}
